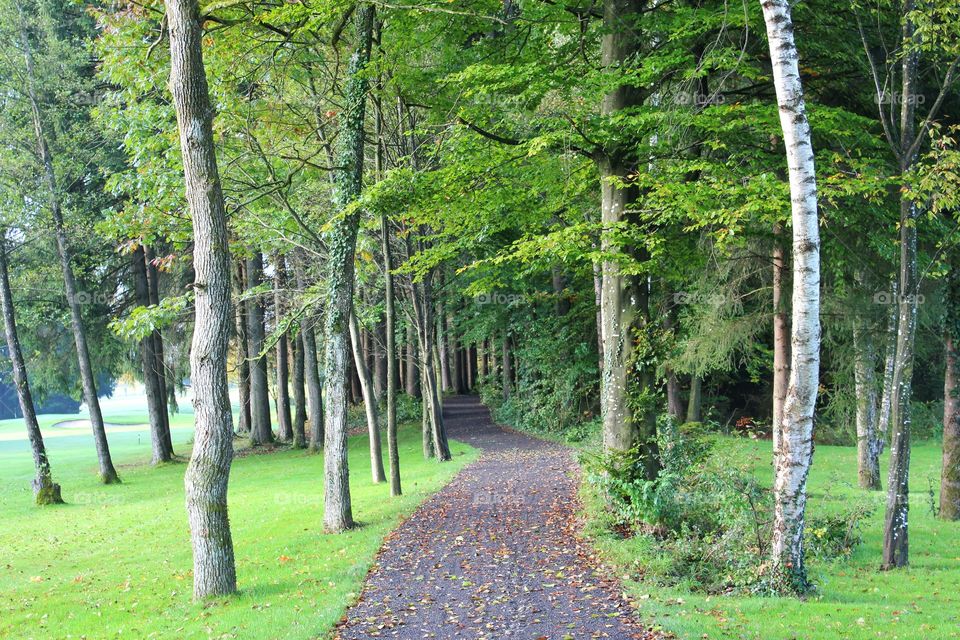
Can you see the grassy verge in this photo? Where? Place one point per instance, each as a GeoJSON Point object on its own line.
{"type": "Point", "coordinates": [116, 561]}
{"type": "Point", "coordinates": [853, 599]}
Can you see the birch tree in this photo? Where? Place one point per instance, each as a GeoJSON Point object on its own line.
{"type": "Point", "coordinates": [796, 431]}
{"type": "Point", "coordinates": [214, 570]}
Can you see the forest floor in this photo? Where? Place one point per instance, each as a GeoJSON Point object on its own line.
{"type": "Point", "coordinates": [495, 554]}
{"type": "Point", "coordinates": [853, 598]}
{"type": "Point", "coordinates": [116, 561]}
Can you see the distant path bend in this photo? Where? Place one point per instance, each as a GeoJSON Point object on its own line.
{"type": "Point", "coordinates": [495, 554]}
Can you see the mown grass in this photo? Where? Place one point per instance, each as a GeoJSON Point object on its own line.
{"type": "Point", "coordinates": [853, 598]}
{"type": "Point", "coordinates": [116, 561]}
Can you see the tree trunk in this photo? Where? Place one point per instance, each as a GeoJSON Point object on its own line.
{"type": "Point", "coordinates": [796, 434]}
{"type": "Point", "coordinates": [391, 349]}
{"type": "Point", "coordinates": [299, 394]}
{"type": "Point", "coordinates": [315, 409]}
{"type": "Point", "coordinates": [620, 45]}
{"type": "Point", "coordinates": [244, 425]}
{"type": "Point", "coordinates": [156, 401]}
{"type": "Point", "coordinates": [781, 340]}
{"type": "Point", "coordinates": [45, 490]}
{"type": "Point", "coordinates": [342, 240]}
{"type": "Point", "coordinates": [261, 431]}
{"type": "Point", "coordinates": [108, 474]}
{"type": "Point", "coordinates": [369, 405]}
{"type": "Point", "coordinates": [895, 532]}
{"type": "Point", "coordinates": [377, 340]}
{"type": "Point", "coordinates": [284, 421]}
{"type": "Point", "coordinates": [413, 373]}
{"type": "Point", "coordinates": [694, 402]}
{"type": "Point", "coordinates": [214, 571]}
{"type": "Point", "coordinates": [950, 472]}
{"type": "Point", "coordinates": [506, 368]}
{"type": "Point", "coordinates": [167, 390]}
{"type": "Point", "coordinates": [890, 359]}
{"type": "Point", "coordinates": [864, 371]}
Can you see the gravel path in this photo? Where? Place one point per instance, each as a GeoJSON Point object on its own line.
{"type": "Point", "coordinates": [495, 554]}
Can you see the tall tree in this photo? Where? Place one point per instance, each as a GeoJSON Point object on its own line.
{"type": "Point", "coordinates": [108, 474]}
{"type": "Point", "coordinates": [261, 429]}
{"type": "Point", "coordinates": [341, 242]}
{"type": "Point", "coordinates": [796, 431]}
{"type": "Point", "coordinates": [45, 490]}
{"type": "Point", "coordinates": [214, 569]}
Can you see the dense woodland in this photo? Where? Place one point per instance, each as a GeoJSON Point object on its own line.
{"type": "Point", "coordinates": [631, 225]}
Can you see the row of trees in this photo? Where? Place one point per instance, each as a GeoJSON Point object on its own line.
{"type": "Point", "coordinates": [581, 206]}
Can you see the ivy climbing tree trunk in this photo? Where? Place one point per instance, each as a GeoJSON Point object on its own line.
{"type": "Point", "coordinates": [796, 433]}
{"type": "Point", "coordinates": [341, 243]}
{"type": "Point", "coordinates": [108, 474]}
{"type": "Point", "coordinates": [622, 297]}
{"type": "Point", "coordinates": [214, 570]}
{"type": "Point", "coordinates": [45, 490]}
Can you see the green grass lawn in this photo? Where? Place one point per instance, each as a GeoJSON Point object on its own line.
{"type": "Point", "coordinates": [853, 599]}
{"type": "Point", "coordinates": [116, 561]}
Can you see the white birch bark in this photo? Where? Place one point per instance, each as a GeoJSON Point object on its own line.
{"type": "Point", "coordinates": [796, 444]}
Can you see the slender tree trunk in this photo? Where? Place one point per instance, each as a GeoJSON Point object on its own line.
{"type": "Point", "coordinates": [781, 339]}
{"type": "Point", "coordinates": [413, 374]}
{"type": "Point", "coordinates": [45, 490]}
{"type": "Point", "coordinates": [244, 425]}
{"type": "Point", "coordinates": [674, 401]}
{"type": "Point", "coordinates": [214, 571]}
{"type": "Point", "coordinates": [886, 398]}
{"type": "Point", "coordinates": [895, 531]}
{"type": "Point", "coordinates": [391, 349]}
{"type": "Point", "coordinates": [160, 368]}
{"type": "Point", "coordinates": [261, 431]}
{"type": "Point", "coordinates": [284, 421]}
{"type": "Point", "coordinates": [315, 409]}
{"type": "Point", "coordinates": [156, 401]}
{"type": "Point", "coordinates": [342, 240]}
{"type": "Point", "coordinates": [377, 340]}
{"type": "Point", "coordinates": [369, 405]}
{"type": "Point", "coordinates": [506, 368]}
{"type": "Point", "coordinates": [108, 474]}
{"type": "Point", "coordinates": [796, 435]}
{"type": "Point", "coordinates": [864, 371]}
{"type": "Point", "coordinates": [299, 394]}
{"type": "Point", "coordinates": [694, 402]}
{"type": "Point", "coordinates": [950, 472]}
